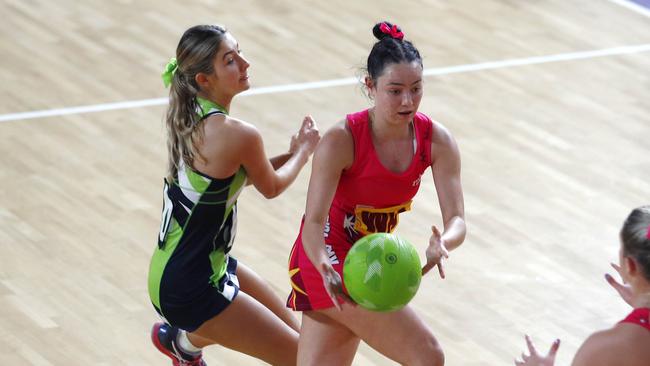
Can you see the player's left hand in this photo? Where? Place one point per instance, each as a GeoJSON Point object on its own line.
{"type": "Point", "coordinates": [435, 252]}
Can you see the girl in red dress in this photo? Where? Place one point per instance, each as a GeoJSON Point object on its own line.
{"type": "Point", "coordinates": [365, 172]}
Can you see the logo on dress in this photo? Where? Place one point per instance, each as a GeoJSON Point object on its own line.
{"type": "Point", "coordinates": [369, 220]}
{"type": "Point", "coordinates": [417, 181]}
{"type": "Point", "coordinates": [331, 254]}
{"type": "Point", "coordinates": [326, 229]}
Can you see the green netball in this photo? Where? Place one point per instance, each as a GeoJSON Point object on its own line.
{"type": "Point", "coordinates": [382, 272]}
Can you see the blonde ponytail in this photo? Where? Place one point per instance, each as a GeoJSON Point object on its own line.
{"type": "Point", "coordinates": [195, 52]}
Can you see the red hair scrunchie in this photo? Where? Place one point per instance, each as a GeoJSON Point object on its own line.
{"type": "Point", "coordinates": [394, 32]}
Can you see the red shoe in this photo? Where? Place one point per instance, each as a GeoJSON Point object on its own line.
{"type": "Point", "coordinates": [163, 337]}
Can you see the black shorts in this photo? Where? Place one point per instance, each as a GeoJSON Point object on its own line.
{"type": "Point", "coordinates": [190, 314]}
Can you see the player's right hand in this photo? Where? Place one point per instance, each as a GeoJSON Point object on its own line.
{"type": "Point", "coordinates": [534, 358]}
{"type": "Point", "coordinates": [334, 286]}
{"type": "Point", "coordinates": [307, 137]}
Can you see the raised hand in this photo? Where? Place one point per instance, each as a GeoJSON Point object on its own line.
{"type": "Point", "coordinates": [435, 253]}
{"type": "Point", "coordinates": [535, 359]}
{"type": "Point", "coordinates": [306, 138]}
{"type": "Point", "coordinates": [623, 289]}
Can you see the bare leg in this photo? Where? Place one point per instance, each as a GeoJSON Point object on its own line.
{"type": "Point", "coordinates": [400, 335]}
{"type": "Point", "coordinates": [324, 341]}
{"type": "Point", "coordinates": [249, 327]}
{"type": "Point", "coordinates": [252, 284]}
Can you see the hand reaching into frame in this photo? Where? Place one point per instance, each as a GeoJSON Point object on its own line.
{"type": "Point", "coordinates": [534, 358]}
{"type": "Point", "coordinates": [623, 289]}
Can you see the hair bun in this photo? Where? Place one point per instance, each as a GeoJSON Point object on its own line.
{"type": "Point", "coordinates": [385, 29]}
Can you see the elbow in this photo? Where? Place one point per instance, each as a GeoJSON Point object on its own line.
{"type": "Point", "coordinates": [463, 228]}
{"type": "Point", "coordinates": [272, 192]}
{"type": "Point", "coordinates": [457, 224]}
{"type": "Point", "coordinates": [456, 220]}
{"type": "Point", "coordinates": [274, 187]}
{"type": "Point", "coordinates": [269, 195]}
{"type": "Point", "coordinates": [267, 188]}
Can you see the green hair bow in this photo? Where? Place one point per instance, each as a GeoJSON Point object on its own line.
{"type": "Point", "coordinates": [169, 72]}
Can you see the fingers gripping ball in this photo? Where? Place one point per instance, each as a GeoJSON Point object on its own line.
{"type": "Point", "coordinates": [382, 272]}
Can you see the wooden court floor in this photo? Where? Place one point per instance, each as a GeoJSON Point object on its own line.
{"type": "Point", "coordinates": [555, 148]}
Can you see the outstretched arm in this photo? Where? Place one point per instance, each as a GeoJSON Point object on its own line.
{"type": "Point", "coordinates": [446, 175]}
{"type": "Point", "coordinates": [280, 160]}
{"type": "Point", "coordinates": [259, 168]}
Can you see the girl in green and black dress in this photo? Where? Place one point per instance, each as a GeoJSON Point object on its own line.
{"type": "Point", "coordinates": [204, 295]}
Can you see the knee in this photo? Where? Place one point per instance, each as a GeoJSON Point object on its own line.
{"type": "Point", "coordinates": [429, 352]}
{"type": "Point", "coordinates": [437, 355]}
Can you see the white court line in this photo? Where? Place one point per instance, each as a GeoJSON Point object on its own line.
{"type": "Point", "coordinates": [338, 82]}
{"type": "Point", "coordinates": [632, 6]}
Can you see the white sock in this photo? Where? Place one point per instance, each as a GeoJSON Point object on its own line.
{"type": "Point", "coordinates": [185, 343]}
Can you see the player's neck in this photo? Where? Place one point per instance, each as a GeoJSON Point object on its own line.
{"type": "Point", "coordinates": [384, 129]}
{"type": "Point", "coordinates": [641, 297]}
{"type": "Point", "coordinates": [220, 100]}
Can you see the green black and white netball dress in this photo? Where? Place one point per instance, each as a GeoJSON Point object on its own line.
{"type": "Point", "coordinates": [191, 276]}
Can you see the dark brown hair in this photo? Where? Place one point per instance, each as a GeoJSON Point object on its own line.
{"type": "Point", "coordinates": [634, 236]}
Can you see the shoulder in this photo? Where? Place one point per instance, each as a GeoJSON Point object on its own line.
{"type": "Point", "coordinates": [442, 141]}
{"type": "Point", "coordinates": [441, 135]}
{"type": "Point", "coordinates": [230, 130]}
{"type": "Point", "coordinates": [609, 347]}
{"type": "Point", "coordinates": [594, 348]}
{"type": "Point", "coordinates": [338, 134]}
{"type": "Point", "coordinates": [358, 117]}
{"type": "Point", "coordinates": [336, 145]}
